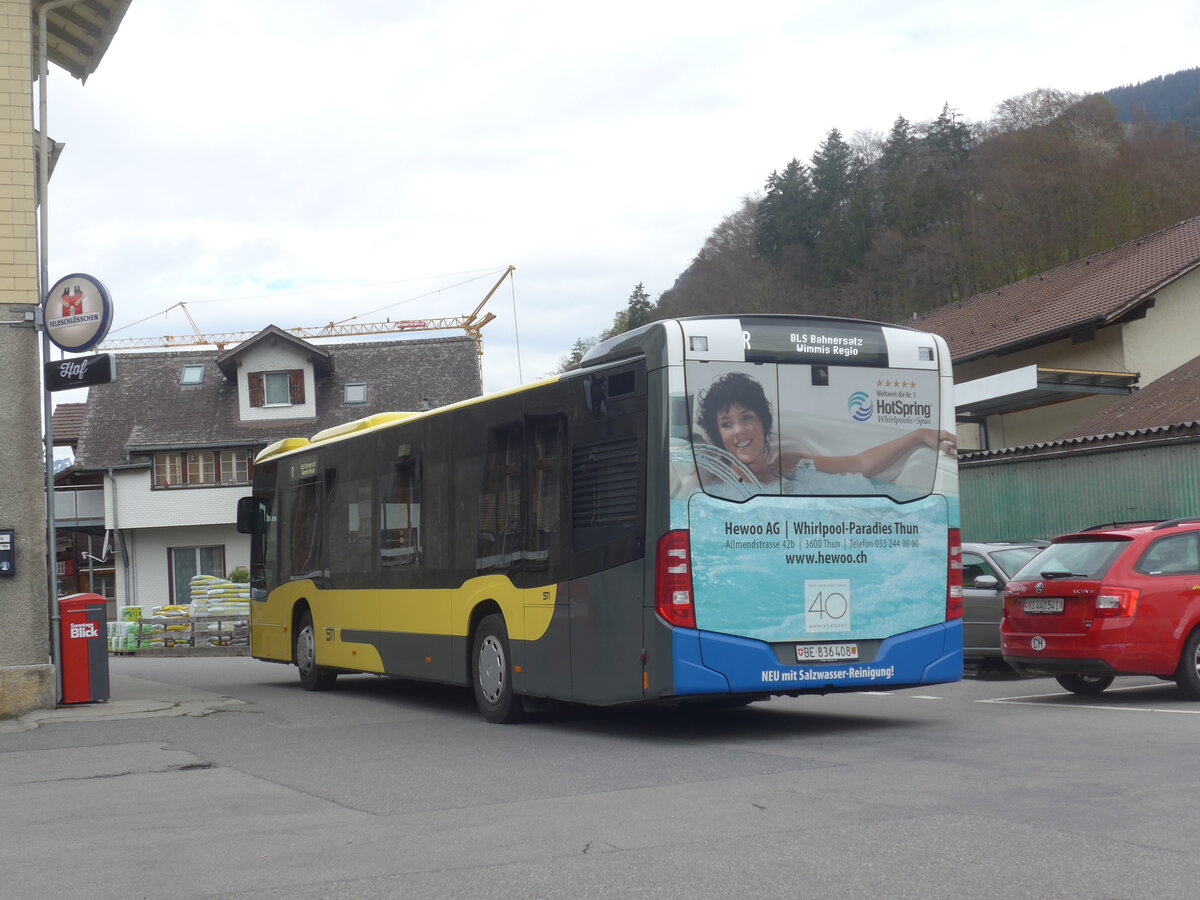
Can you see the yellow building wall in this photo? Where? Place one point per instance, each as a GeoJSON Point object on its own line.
{"type": "Point", "coordinates": [26, 677]}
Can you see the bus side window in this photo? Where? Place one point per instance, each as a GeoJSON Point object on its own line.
{"type": "Point", "coordinates": [499, 537]}
{"type": "Point", "coordinates": [350, 534]}
{"type": "Point", "coordinates": [400, 513]}
{"type": "Point", "coordinates": [303, 533]}
{"type": "Point", "coordinates": [545, 489]}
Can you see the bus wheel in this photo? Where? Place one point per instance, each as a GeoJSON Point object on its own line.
{"type": "Point", "coordinates": [1085, 685]}
{"type": "Point", "coordinates": [491, 672]}
{"type": "Point", "coordinates": [304, 654]}
{"type": "Point", "coordinates": [1187, 676]}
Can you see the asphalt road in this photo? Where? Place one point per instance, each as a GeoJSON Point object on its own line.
{"type": "Point", "coordinates": [221, 778]}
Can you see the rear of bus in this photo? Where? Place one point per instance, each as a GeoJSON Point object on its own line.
{"type": "Point", "coordinates": [794, 572]}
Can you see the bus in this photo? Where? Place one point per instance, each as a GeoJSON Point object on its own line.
{"type": "Point", "coordinates": [717, 509]}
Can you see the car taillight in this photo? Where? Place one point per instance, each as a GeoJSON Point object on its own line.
{"type": "Point", "coordinates": [673, 580]}
{"type": "Point", "coordinates": [1115, 601]}
{"type": "Point", "coordinates": [954, 595]}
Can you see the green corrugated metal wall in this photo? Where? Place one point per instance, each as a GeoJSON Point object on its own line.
{"type": "Point", "coordinates": [1032, 497]}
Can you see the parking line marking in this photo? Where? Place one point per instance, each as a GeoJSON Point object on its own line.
{"type": "Point", "coordinates": [1136, 687]}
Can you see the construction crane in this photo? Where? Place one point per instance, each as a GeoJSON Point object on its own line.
{"type": "Point", "coordinates": [472, 324]}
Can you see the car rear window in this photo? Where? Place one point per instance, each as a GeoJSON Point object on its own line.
{"type": "Point", "coordinates": [1012, 559]}
{"type": "Point", "coordinates": [1086, 558]}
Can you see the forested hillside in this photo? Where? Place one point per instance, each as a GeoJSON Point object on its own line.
{"type": "Point", "coordinates": [1168, 98]}
{"type": "Point", "coordinates": [884, 226]}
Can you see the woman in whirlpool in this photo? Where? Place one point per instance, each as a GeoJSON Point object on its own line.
{"type": "Point", "coordinates": [736, 415]}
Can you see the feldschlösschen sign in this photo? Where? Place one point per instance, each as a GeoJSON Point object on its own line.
{"type": "Point", "coordinates": [78, 313]}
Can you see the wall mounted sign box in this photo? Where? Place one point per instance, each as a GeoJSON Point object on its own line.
{"type": "Point", "coordinates": [83, 371]}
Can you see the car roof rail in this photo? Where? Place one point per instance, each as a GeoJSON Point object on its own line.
{"type": "Point", "coordinates": [1131, 524]}
{"type": "Point", "coordinates": [1171, 523]}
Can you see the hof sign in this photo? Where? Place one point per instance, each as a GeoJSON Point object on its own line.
{"type": "Point", "coordinates": [82, 371]}
{"type": "Point", "coordinates": [78, 313]}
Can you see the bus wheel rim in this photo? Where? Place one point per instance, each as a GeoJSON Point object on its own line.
{"type": "Point", "coordinates": [304, 649]}
{"type": "Point", "coordinates": [491, 668]}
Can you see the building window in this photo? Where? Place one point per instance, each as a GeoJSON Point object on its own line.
{"type": "Point", "coordinates": [282, 388]}
{"type": "Point", "coordinates": [235, 467]}
{"type": "Point", "coordinates": [201, 468]}
{"type": "Point", "coordinates": [355, 394]}
{"type": "Point", "coordinates": [168, 469]}
{"type": "Point", "coordinates": [192, 375]}
{"type": "Point", "coordinates": [188, 562]}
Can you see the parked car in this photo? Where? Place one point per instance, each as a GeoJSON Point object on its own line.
{"type": "Point", "coordinates": [987, 566]}
{"type": "Point", "coordinates": [1113, 600]}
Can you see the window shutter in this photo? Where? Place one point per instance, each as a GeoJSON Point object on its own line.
{"type": "Point", "coordinates": [296, 385]}
{"type": "Point", "coordinates": [255, 381]}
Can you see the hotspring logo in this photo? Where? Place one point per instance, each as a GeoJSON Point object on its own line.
{"type": "Point", "coordinates": [860, 406]}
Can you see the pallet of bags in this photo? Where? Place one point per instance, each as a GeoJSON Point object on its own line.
{"type": "Point", "coordinates": [230, 608]}
{"type": "Point", "coordinates": [143, 636]}
{"type": "Point", "coordinates": [198, 592]}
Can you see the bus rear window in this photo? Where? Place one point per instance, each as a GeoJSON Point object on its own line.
{"type": "Point", "coordinates": [816, 430]}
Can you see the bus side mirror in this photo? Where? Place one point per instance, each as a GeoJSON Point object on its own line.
{"type": "Point", "coordinates": [251, 515]}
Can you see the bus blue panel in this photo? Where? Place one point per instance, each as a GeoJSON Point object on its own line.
{"type": "Point", "coordinates": [691, 675]}
{"type": "Point", "coordinates": [927, 656]}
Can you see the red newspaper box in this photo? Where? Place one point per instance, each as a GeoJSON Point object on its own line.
{"type": "Point", "coordinates": [83, 629]}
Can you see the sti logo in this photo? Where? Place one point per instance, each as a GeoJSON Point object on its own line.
{"type": "Point", "coordinates": [860, 406]}
{"type": "Point", "coordinates": [72, 303]}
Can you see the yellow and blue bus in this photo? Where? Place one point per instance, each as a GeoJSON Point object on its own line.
{"type": "Point", "coordinates": [711, 508]}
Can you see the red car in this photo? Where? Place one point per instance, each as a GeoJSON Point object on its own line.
{"type": "Point", "coordinates": [1119, 599]}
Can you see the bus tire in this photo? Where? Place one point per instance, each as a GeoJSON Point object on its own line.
{"type": "Point", "coordinates": [491, 672]}
{"type": "Point", "coordinates": [1085, 685]}
{"type": "Point", "coordinates": [304, 655]}
{"type": "Point", "coordinates": [1187, 676]}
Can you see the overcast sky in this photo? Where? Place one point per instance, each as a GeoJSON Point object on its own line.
{"type": "Point", "coordinates": [296, 162]}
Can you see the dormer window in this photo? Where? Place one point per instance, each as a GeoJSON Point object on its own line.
{"type": "Point", "coordinates": [356, 394]}
{"type": "Point", "coordinates": [280, 388]}
{"type": "Point", "coordinates": [192, 375]}
{"type": "Point", "coordinates": [276, 389]}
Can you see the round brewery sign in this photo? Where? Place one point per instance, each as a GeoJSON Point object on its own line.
{"type": "Point", "coordinates": [78, 313]}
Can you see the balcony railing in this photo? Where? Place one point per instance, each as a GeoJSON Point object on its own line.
{"type": "Point", "coordinates": [78, 504]}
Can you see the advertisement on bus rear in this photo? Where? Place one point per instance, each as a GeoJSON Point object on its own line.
{"type": "Point", "coordinates": [817, 504]}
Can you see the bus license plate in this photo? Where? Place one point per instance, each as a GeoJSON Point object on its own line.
{"type": "Point", "coordinates": [1044, 604]}
{"type": "Point", "coordinates": [826, 652]}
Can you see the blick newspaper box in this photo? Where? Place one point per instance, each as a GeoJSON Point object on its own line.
{"type": "Point", "coordinates": [84, 648]}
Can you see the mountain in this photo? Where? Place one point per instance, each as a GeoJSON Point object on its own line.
{"type": "Point", "coordinates": [1167, 98]}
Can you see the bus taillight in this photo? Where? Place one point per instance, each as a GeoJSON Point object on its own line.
{"type": "Point", "coordinates": [673, 580]}
{"type": "Point", "coordinates": [954, 584]}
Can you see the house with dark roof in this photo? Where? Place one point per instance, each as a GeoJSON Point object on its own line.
{"type": "Point", "coordinates": [1037, 359]}
{"type": "Point", "coordinates": [163, 453]}
{"type": "Point", "coordinates": [1082, 389]}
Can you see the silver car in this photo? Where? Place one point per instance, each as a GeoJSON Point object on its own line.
{"type": "Point", "coordinates": [987, 568]}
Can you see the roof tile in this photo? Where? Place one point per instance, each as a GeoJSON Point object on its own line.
{"type": "Point", "coordinates": [1098, 290]}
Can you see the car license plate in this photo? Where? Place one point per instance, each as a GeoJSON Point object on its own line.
{"type": "Point", "coordinates": [1043, 604]}
{"type": "Point", "coordinates": [826, 652]}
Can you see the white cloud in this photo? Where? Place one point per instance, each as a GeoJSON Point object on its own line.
{"type": "Point", "coordinates": [304, 148]}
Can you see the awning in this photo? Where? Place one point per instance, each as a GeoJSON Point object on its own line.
{"type": "Point", "coordinates": [1032, 386]}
